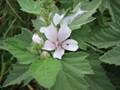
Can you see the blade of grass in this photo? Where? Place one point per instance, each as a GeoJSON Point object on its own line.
{"type": "Point", "coordinates": [7, 31]}
{"type": "Point", "coordinates": [13, 10]}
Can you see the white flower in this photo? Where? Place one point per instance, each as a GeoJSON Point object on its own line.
{"type": "Point", "coordinates": [36, 39]}
{"type": "Point", "coordinates": [57, 18]}
{"type": "Point", "coordinates": [58, 39]}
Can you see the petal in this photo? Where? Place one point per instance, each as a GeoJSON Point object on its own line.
{"type": "Point", "coordinates": [64, 33]}
{"type": "Point", "coordinates": [37, 39]}
{"type": "Point", "coordinates": [57, 18]}
{"type": "Point", "coordinates": [70, 45]}
{"type": "Point", "coordinates": [79, 12]}
{"type": "Point", "coordinates": [51, 33]}
{"type": "Point", "coordinates": [49, 45]}
{"type": "Point", "coordinates": [59, 52]}
{"type": "Point", "coordinates": [42, 29]}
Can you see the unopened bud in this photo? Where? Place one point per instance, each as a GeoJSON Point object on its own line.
{"type": "Point", "coordinates": [37, 39]}
{"type": "Point", "coordinates": [45, 54]}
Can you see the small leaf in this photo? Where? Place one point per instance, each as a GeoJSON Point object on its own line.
{"type": "Point", "coordinates": [45, 71]}
{"type": "Point", "coordinates": [30, 6]}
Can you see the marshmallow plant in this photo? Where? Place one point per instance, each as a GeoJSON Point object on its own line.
{"type": "Point", "coordinates": [37, 55]}
{"type": "Point", "coordinates": [58, 35]}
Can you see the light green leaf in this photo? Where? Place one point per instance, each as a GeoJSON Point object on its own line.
{"type": "Point", "coordinates": [19, 46]}
{"type": "Point", "coordinates": [45, 71]}
{"type": "Point", "coordinates": [112, 56]}
{"type": "Point", "coordinates": [99, 80]}
{"type": "Point", "coordinates": [86, 18]}
{"type": "Point", "coordinates": [30, 6]}
{"type": "Point", "coordinates": [17, 75]}
{"type": "Point", "coordinates": [37, 7]}
{"type": "Point", "coordinates": [74, 68]}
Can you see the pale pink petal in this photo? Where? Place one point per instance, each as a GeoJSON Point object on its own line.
{"type": "Point", "coordinates": [59, 52]}
{"type": "Point", "coordinates": [64, 33]}
{"type": "Point", "coordinates": [70, 45]}
{"type": "Point", "coordinates": [57, 18]}
{"type": "Point", "coordinates": [51, 33]}
{"type": "Point", "coordinates": [43, 29]}
{"type": "Point", "coordinates": [36, 39]}
{"type": "Point", "coordinates": [49, 45]}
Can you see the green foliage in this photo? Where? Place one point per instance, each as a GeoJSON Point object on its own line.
{"type": "Point", "coordinates": [113, 6]}
{"type": "Point", "coordinates": [45, 71]}
{"type": "Point", "coordinates": [97, 31]}
{"type": "Point", "coordinates": [82, 36]}
{"type": "Point", "coordinates": [105, 37]}
{"type": "Point", "coordinates": [86, 18]}
{"type": "Point", "coordinates": [98, 81]}
{"type": "Point", "coordinates": [74, 68]}
{"type": "Point", "coordinates": [112, 56]}
{"type": "Point", "coordinates": [17, 75]}
{"type": "Point", "coordinates": [19, 47]}
{"type": "Point", "coordinates": [38, 23]}
{"type": "Point", "coordinates": [38, 7]}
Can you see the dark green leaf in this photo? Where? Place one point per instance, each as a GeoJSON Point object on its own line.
{"type": "Point", "coordinates": [98, 81]}
{"type": "Point", "coordinates": [112, 56]}
{"type": "Point", "coordinates": [17, 75]}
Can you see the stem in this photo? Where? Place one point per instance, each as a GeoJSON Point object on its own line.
{"type": "Point", "coordinates": [30, 87]}
{"type": "Point", "coordinates": [9, 27]}
{"type": "Point", "coordinates": [2, 69]}
{"type": "Point", "coordinates": [13, 10]}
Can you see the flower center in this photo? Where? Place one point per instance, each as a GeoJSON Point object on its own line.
{"type": "Point", "coordinates": [58, 44]}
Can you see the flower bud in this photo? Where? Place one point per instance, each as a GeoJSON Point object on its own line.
{"type": "Point", "coordinates": [36, 39]}
{"type": "Point", "coordinates": [45, 54]}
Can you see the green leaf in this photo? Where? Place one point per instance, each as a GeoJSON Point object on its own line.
{"type": "Point", "coordinates": [82, 36]}
{"type": "Point", "coordinates": [74, 68]}
{"type": "Point", "coordinates": [99, 80]}
{"type": "Point", "coordinates": [19, 46]}
{"type": "Point", "coordinates": [106, 37]}
{"type": "Point", "coordinates": [77, 64]}
{"type": "Point", "coordinates": [86, 18]}
{"type": "Point", "coordinates": [37, 23]}
{"type": "Point", "coordinates": [113, 6]}
{"type": "Point", "coordinates": [37, 7]}
{"type": "Point", "coordinates": [112, 56]}
{"type": "Point", "coordinates": [17, 75]}
{"type": "Point", "coordinates": [30, 6]}
{"type": "Point", "coordinates": [45, 71]}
